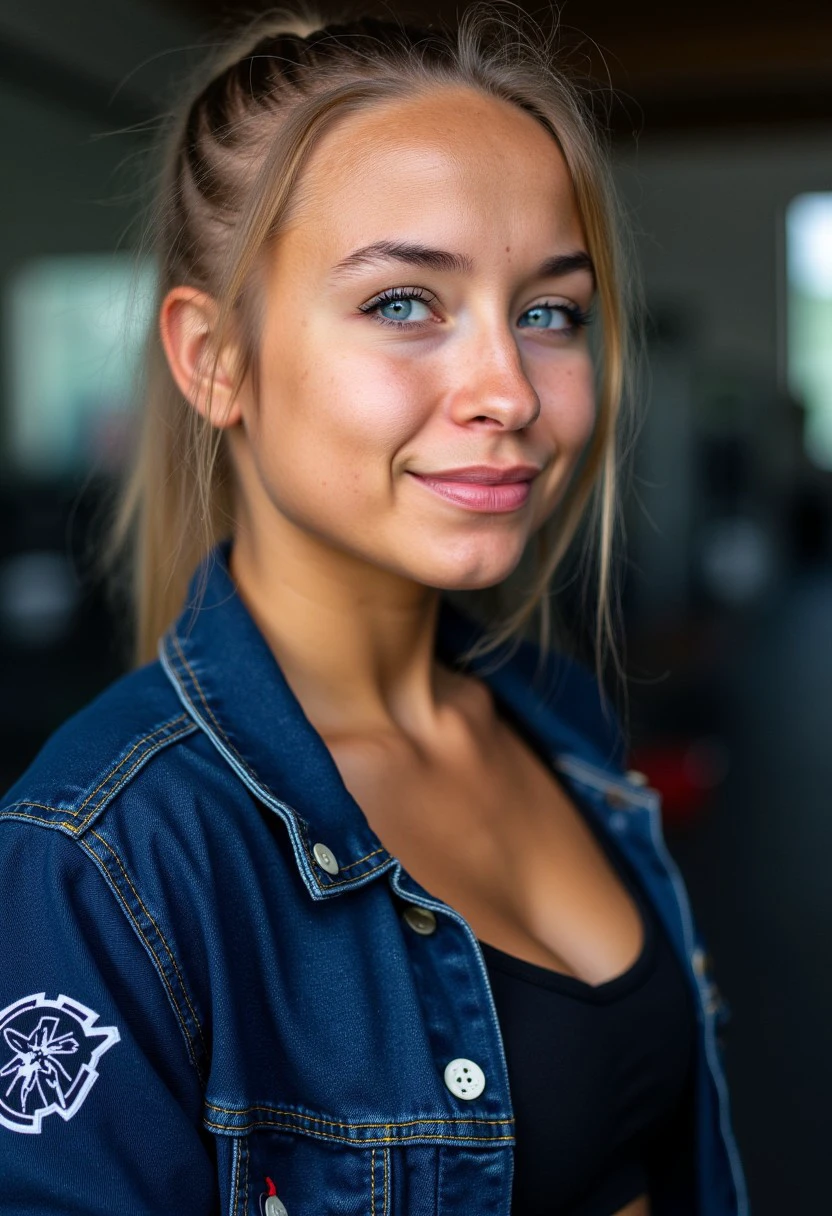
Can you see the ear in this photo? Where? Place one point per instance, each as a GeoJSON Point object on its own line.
{"type": "Point", "coordinates": [187, 320]}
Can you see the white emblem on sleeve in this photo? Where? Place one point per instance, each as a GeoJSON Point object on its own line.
{"type": "Point", "coordinates": [49, 1053]}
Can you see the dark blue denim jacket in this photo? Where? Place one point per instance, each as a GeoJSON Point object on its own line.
{"type": "Point", "coordinates": [211, 1000]}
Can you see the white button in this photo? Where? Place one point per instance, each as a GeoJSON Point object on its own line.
{"type": "Point", "coordinates": [274, 1207]}
{"type": "Point", "coordinates": [465, 1079]}
{"type": "Point", "coordinates": [700, 961]}
{"type": "Point", "coordinates": [421, 920]}
{"type": "Point", "coordinates": [325, 858]}
{"type": "Point", "coordinates": [637, 778]}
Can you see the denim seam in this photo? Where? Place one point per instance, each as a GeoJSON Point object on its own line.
{"type": "Point", "coordinates": [340, 882]}
{"type": "Point", "coordinates": [159, 729]}
{"type": "Point", "coordinates": [248, 769]}
{"type": "Point", "coordinates": [440, 1183]}
{"type": "Point", "coordinates": [154, 956]}
{"type": "Point", "coordinates": [366, 857]}
{"type": "Point", "coordinates": [159, 934]}
{"type": "Point", "coordinates": [373, 1183]}
{"type": "Point", "coordinates": [125, 777]}
{"type": "Point", "coordinates": [386, 1161]}
{"type": "Point", "coordinates": [288, 1127]}
{"type": "Point", "coordinates": [437, 1179]}
{"type": "Point", "coordinates": [76, 829]}
{"type": "Point", "coordinates": [11, 812]}
{"type": "Point", "coordinates": [109, 794]}
{"type": "Point", "coordinates": [290, 1114]}
{"type": "Point", "coordinates": [49, 823]}
{"type": "Point", "coordinates": [235, 1177]}
{"type": "Point", "coordinates": [243, 763]}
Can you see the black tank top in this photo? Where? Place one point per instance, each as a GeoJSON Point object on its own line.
{"type": "Point", "coordinates": [597, 1073]}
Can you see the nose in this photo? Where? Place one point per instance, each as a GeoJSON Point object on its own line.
{"type": "Point", "coordinates": [493, 389]}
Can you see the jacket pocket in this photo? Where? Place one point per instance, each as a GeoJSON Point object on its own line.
{"type": "Point", "coordinates": [306, 1176]}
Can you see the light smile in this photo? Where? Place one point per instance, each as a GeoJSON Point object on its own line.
{"type": "Point", "coordinates": [482, 488]}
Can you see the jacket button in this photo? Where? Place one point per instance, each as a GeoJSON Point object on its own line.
{"type": "Point", "coordinates": [700, 961]}
{"type": "Point", "coordinates": [636, 778]}
{"type": "Point", "coordinates": [421, 920]}
{"type": "Point", "coordinates": [325, 858]}
{"type": "Point", "coordinates": [465, 1079]}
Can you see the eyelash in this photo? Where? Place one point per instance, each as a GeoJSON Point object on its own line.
{"type": "Point", "coordinates": [396, 293]}
{"type": "Point", "coordinates": [579, 318]}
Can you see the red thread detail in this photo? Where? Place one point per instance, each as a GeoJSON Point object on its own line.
{"type": "Point", "coordinates": [272, 1188]}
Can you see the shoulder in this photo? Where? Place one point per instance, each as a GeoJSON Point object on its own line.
{"type": "Point", "coordinates": [76, 833]}
{"type": "Point", "coordinates": [99, 752]}
{"type": "Point", "coordinates": [138, 792]}
{"type": "Point", "coordinates": [135, 782]}
{"type": "Point", "coordinates": [117, 819]}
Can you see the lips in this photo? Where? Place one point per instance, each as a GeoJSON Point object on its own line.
{"type": "Point", "coordinates": [482, 488]}
{"type": "Point", "coordinates": [488, 475]}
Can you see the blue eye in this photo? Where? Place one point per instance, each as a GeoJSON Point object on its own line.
{"type": "Point", "coordinates": [402, 307]}
{"type": "Point", "coordinates": [407, 309]}
{"type": "Point", "coordinates": [554, 318]}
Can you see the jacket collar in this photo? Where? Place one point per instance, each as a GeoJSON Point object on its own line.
{"type": "Point", "coordinates": [230, 683]}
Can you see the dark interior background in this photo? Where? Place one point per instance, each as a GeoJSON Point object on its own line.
{"type": "Point", "coordinates": [722, 116]}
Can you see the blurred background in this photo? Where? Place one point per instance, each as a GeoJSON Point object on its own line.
{"type": "Point", "coordinates": [722, 138]}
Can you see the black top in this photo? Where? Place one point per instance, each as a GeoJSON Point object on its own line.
{"type": "Point", "coordinates": [598, 1074]}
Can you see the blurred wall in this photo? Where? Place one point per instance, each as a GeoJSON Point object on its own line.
{"type": "Point", "coordinates": [78, 85]}
{"type": "Point", "coordinates": [70, 75]}
{"type": "Point", "coordinates": [730, 619]}
{"type": "Point", "coordinates": [73, 78]}
{"type": "Point", "coordinates": [709, 214]}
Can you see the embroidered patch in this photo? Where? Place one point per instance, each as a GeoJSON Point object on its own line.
{"type": "Point", "coordinates": [49, 1052]}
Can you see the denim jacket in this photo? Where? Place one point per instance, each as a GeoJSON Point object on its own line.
{"type": "Point", "coordinates": [215, 995]}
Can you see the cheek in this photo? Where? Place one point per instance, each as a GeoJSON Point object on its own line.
{"type": "Point", "coordinates": [333, 426]}
{"type": "Point", "coordinates": [370, 406]}
{"type": "Point", "coordinates": [389, 403]}
{"type": "Point", "coordinates": [569, 405]}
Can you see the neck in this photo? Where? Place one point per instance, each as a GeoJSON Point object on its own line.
{"type": "Point", "coordinates": [355, 643]}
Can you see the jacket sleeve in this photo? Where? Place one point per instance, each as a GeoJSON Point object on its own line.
{"type": "Point", "coordinates": [100, 1105]}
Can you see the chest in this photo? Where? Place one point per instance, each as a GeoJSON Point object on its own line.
{"type": "Point", "coordinates": [330, 1077]}
{"type": "Point", "coordinates": [486, 827]}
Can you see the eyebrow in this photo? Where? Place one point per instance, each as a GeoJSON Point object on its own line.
{"type": "Point", "coordinates": [442, 259]}
{"type": "Point", "coordinates": [566, 263]}
{"type": "Point", "coordinates": [410, 254]}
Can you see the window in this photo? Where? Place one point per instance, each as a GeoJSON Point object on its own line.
{"type": "Point", "coordinates": [809, 338]}
{"type": "Point", "coordinates": [74, 332]}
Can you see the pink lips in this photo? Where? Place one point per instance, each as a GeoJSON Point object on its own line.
{"type": "Point", "coordinates": [481, 487]}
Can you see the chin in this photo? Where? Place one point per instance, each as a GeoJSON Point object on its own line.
{"type": "Point", "coordinates": [472, 571]}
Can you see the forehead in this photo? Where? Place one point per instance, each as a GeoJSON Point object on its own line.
{"type": "Point", "coordinates": [453, 168]}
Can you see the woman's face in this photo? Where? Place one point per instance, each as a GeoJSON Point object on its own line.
{"type": "Point", "coordinates": [425, 382]}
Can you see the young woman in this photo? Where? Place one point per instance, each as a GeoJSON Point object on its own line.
{"type": "Point", "coordinates": [342, 905]}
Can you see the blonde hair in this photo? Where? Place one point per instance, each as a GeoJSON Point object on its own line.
{"type": "Point", "coordinates": [233, 157]}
